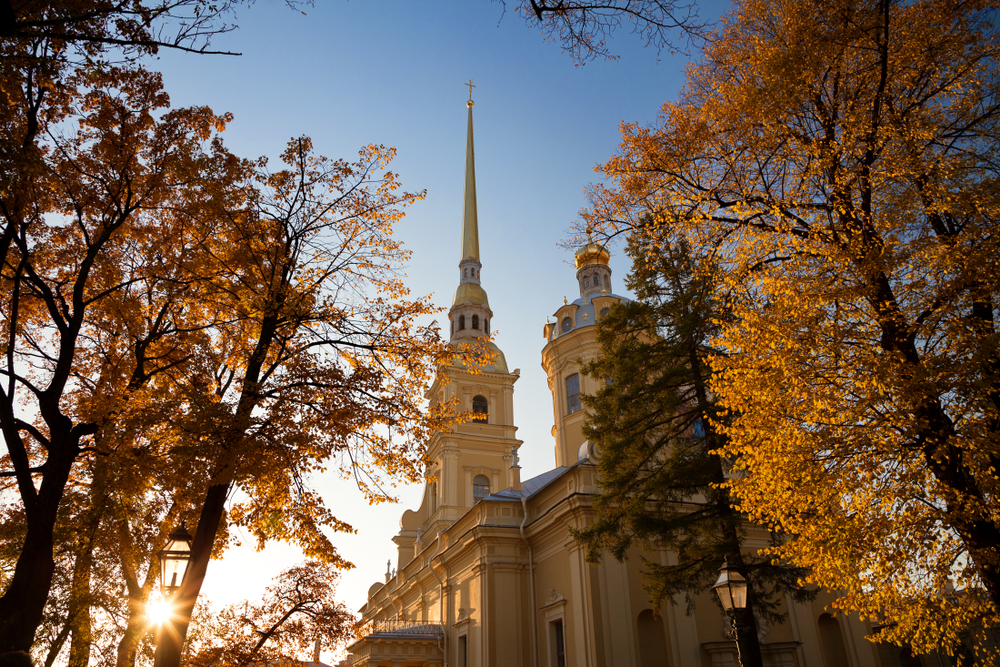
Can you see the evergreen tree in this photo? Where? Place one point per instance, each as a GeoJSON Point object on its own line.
{"type": "Point", "coordinates": [656, 426]}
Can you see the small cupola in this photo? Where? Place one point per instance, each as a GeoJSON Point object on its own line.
{"type": "Point", "coordinates": [592, 270]}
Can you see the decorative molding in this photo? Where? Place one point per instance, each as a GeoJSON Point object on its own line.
{"type": "Point", "coordinates": [463, 620]}
{"type": "Point", "coordinates": [555, 597]}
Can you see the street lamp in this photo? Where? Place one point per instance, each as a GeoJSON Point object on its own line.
{"type": "Point", "coordinates": [174, 560]}
{"type": "Point", "coordinates": [731, 588]}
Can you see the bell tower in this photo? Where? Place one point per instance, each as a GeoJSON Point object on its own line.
{"type": "Point", "coordinates": [474, 459]}
{"type": "Point", "coordinates": [572, 341]}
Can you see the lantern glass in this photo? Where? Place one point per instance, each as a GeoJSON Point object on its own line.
{"type": "Point", "coordinates": [174, 559]}
{"type": "Point", "coordinates": [731, 588]}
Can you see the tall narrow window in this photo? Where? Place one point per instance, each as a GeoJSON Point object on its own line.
{"type": "Point", "coordinates": [461, 322]}
{"type": "Point", "coordinates": [586, 282]}
{"type": "Point", "coordinates": [480, 488]}
{"type": "Point", "coordinates": [475, 321]}
{"type": "Point", "coordinates": [653, 641]}
{"type": "Point", "coordinates": [486, 325]}
{"type": "Point", "coordinates": [832, 641]}
{"type": "Point", "coordinates": [573, 403]}
{"type": "Point", "coordinates": [557, 644]}
{"type": "Point", "coordinates": [480, 409]}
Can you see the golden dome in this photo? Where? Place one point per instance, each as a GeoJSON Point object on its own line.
{"type": "Point", "coordinates": [592, 253]}
{"type": "Point", "coordinates": [499, 363]}
{"type": "Point", "coordinates": [470, 293]}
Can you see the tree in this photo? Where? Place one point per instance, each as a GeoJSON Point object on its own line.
{"type": "Point", "coordinates": [182, 323]}
{"type": "Point", "coordinates": [837, 160]}
{"type": "Point", "coordinates": [299, 609]}
{"type": "Point", "coordinates": [321, 355]}
{"type": "Point", "coordinates": [656, 425]}
{"type": "Point", "coordinates": [583, 27]}
{"type": "Point", "coordinates": [139, 26]}
{"type": "Point", "coordinates": [72, 212]}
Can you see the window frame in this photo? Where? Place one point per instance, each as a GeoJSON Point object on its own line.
{"type": "Point", "coordinates": [485, 403]}
{"type": "Point", "coordinates": [573, 402]}
{"type": "Point", "coordinates": [480, 485]}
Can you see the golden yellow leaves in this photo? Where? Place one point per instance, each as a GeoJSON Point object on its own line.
{"type": "Point", "coordinates": [838, 170]}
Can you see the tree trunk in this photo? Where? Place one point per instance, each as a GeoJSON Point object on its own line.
{"type": "Point", "coordinates": [58, 642]}
{"type": "Point", "coordinates": [138, 595]}
{"type": "Point", "coordinates": [23, 603]}
{"type": "Point", "coordinates": [80, 602]}
{"type": "Point", "coordinates": [171, 644]}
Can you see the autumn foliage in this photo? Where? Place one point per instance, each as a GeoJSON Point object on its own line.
{"type": "Point", "coordinates": [297, 610]}
{"type": "Point", "coordinates": [180, 328]}
{"type": "Point", "coordinates": [837, 162]}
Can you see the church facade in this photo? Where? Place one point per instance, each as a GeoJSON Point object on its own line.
{"type": "Point", "coordinates": [487, 571]}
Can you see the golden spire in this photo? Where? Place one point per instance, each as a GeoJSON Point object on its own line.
{"type": "Point", "coordinates": [470, 220]}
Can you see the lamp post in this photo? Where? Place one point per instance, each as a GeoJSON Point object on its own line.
{"type": "Point", "coordinates": [174, 560]}
{"type": "Point", "coordinates": [731, 587]}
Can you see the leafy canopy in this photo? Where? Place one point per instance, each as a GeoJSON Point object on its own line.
{"type": "Point", "coordinates": [837, 161]}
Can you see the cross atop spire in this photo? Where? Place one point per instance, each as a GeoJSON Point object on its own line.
{"type": "Point", "coordinates": [470, 103]}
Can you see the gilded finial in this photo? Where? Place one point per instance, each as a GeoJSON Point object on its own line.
{"type": "Point", "coordinates": [470, 103]}
{"type": "Point", "coordinates": [565, 301]}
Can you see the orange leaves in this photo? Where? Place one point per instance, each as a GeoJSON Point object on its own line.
{"type": "Point", "coordinates": [197, 321]}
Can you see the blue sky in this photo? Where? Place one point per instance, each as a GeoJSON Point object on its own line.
{"type": "Point", "coordinates": [349, 73]}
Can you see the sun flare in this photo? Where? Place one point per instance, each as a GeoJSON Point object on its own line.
{"type": "Point", "coordinates": [158, 611]}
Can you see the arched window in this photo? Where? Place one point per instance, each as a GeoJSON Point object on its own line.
{"type": "Point", "coordinates": [486, 325]}
{"type": "Point", "coordinates": [573, 403]}
{"type": "Point", "coordinates": [607, 282]}
{"type": "Point", "coordinates": [480, 488]}
{"type": "Point", "coordinates": [475, 322]}
{"type": "Point", "coordinates": [652, 640]}
{"type": "Point", "coordinates": [604, 312]}
{"type": "Point", "coordinates": [586, 282]}
{"type": "Point", "coordinates": [461, 322]}
{"type": "Point", "coordinates": [832, 641]}
{"type": "Point", "coordinates": [567, 324]}
{"type": "Point", "coordinates": [480, 409]}
{"type": "Point", "coordinates": [465, 273]}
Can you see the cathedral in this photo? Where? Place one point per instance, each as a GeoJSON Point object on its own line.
{"type": "Point", "coordinates": [488, 574]}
